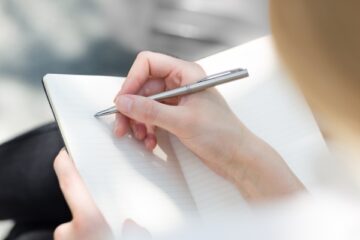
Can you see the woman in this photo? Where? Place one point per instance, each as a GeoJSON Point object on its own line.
{"type": "Point", "coordinates": [318, 40]}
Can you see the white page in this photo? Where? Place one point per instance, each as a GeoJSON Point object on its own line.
{"type": "Point", "coordinates": [125, 179]}
{"type": "Point", "coordinates": [268, 104]}
{"type": "Point", "coordinates": [214, 196]}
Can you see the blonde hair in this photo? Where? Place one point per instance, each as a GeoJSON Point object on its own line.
{"type": "Point", "coordinates": [319, 40]}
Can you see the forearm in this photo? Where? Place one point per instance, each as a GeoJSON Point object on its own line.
{"type": "Point", "coordinates": [259, 171]}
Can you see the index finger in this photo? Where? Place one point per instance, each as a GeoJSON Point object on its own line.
{"type": "Point", "coordinates": [156, 65]}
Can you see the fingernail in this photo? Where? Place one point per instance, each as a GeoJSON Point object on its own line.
{"type": "Point", "coordinates": [124, 103]}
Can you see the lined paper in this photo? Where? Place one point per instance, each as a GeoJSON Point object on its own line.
{"type": "Point", "coordinates": [214, 196]}
{"type": "Point", "coordinates": [160, 191]}
{"type": "Point", "coordinates": [125, 179]}
{"type": "Point", "coordinates": [271, 106]}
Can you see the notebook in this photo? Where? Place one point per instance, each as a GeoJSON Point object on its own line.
{"type": "Point", "coordinates": [161, 190]}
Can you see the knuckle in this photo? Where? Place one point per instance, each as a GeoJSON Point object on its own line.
{"type": "Point", "coordinates": [198, 68]}
{"type": "Point", "coordinates": [86, 225]}
{"type": "Point", "coordinates": [81, 225]}
{"type": "Point", "coordinates": [143, 54]}
{"type": "Point", "coordinates": [150, 112]}
{"type": "Point", "coordinates": [60, 233]}
{"type": "Point", "coordinates": [192, 71]}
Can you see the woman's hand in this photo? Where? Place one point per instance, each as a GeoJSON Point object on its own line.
{"type": "Point", "coordinates": [88, 222]}
{"type": "Point", "coordinates": [203, 122]}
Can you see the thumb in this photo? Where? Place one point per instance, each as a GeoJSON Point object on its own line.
{"type": "Point", "coordinates": [73, 188]}
{"type": "Point", "coordinates": [151, 112]}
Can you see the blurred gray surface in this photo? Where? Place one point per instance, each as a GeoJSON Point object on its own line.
{"type": "Point", "coordinates": [43, 36]}
{"type": "Point", "coordinates": [189, 29]}
{"type": "Point", "coordinates": [102, 37]}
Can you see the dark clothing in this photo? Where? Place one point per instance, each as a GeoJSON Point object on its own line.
{"type": "Point", "coordinates": [29, 190]}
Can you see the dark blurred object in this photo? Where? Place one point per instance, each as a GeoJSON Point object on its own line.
{"type": "Point", "coordinates": [30, 194]}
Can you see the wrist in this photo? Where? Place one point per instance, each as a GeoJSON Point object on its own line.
{"type": "Point", "coordinates": [259, 171]}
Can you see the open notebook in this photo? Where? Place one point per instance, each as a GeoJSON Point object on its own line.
{"type": "Point", "coordinates": [161, 190]}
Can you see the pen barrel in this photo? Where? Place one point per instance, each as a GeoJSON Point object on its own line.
{"type": "Point", "coordinates": [219, 79]}
{"type": "Point", "coordinates": [171, 93]}
{"type": "Point", "coordinates": [208, 82]}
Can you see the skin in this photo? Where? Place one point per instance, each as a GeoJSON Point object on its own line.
{"type": "Point", "coordinates": [87, 223]}
{"type": "Point", "coordinates": [200, 121]}
{"type": "Point", "coordinates": [318, 41]}
{"type": "Point", "coordinates": [84, 211]}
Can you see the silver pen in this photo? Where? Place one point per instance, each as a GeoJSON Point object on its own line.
{"type": "Point", "coordinates": [210, 81]}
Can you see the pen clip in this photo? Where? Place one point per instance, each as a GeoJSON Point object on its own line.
{"type": "Point", "coordinates": [222, 74]}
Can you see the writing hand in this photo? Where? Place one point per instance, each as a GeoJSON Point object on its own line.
{"type": "Point", "coordinates": [203, 122]}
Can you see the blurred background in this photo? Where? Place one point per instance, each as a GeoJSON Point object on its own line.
{"type": "Point", "coordinates": [102, 37]}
